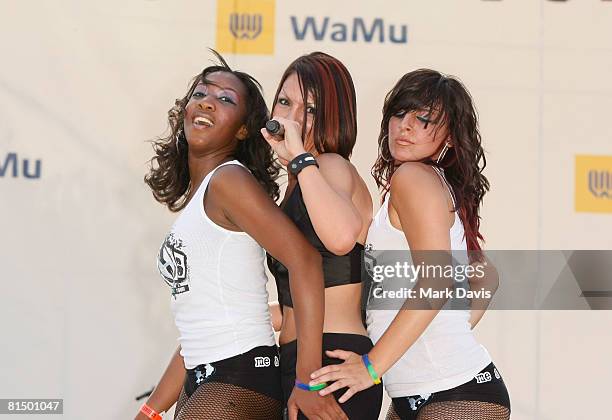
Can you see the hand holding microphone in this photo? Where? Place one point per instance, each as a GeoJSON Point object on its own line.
{"type": "Point", "coordinates": [275, 128]}
{"type": "Point", "coordinates": [285, 138]}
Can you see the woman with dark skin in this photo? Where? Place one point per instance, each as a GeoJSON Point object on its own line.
{"type": "Point", "coordinates": [429, 168]}
{"type": "Point", "coordinates": [331, 205]}
{"type": "Point", "coordinates": [219, 171]}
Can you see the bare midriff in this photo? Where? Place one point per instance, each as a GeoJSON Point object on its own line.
{"type": "Point", "coordinates": [342, 313]}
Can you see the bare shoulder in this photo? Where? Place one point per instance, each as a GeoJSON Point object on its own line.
{"type": "Point", "coordinates": [341, 172]}
{"type": "Point", "coordinates": [336, 170]}
{"type": "Point", "coordinates": [232, 179]}
{"type": "Point", "coordinates": [416, 179]}
{"type": "Point", "coordinates": [406, 170]}
{"type": "Point", "coordinates": [362, 193]}
{"type": "Point", "coordinates": [333, 161]}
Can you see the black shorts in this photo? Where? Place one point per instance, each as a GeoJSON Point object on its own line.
{"type": "Point", "coordinates": [257, 370]}
{"type": "Point", "coordinates": [487, 386]}
{"type": "Point", "coordinates": [364, 405]}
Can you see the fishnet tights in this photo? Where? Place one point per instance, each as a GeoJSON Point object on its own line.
{"type": "Point", "coordinates": [458, 410]}
{"type": "Point", "coordinates": [220, 401]}
{"type": "Point", "coordinates": [391, 414]}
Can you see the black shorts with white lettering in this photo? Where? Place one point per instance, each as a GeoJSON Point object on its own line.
{"type": "Point", "coordinates": [364, 405]}
{"type": "Point", "coordinates": [257, 370]}
{"type": "Point", "coordinates": [487, 386]}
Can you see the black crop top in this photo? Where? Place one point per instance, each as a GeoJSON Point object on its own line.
{"type": "Point", "coordinates": [337, 269]}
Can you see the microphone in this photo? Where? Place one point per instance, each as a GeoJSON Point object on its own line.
{"type": "Point", "coordinates": [275, 128]}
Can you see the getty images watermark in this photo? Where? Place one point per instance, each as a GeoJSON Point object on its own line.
{"type": "Point", "coordinates": [411, 273]}
{"type": "Point", "coordinates": [459, 280]}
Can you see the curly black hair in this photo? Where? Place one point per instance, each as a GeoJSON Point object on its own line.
{"type": "Point", "coordinates": [168, 176]}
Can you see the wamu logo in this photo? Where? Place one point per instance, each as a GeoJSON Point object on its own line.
{"type": "Point", "coordinates": [377, 31]}
{"type": "Point", "coordinates": [245, 26]}
{"type": "Point", "coordinates": [11, 162]}
{"type": "Point", "coordinates": [600, 183]}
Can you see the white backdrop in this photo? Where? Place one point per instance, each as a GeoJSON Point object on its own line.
{"type": "Point", "coordinates": [83, 85]}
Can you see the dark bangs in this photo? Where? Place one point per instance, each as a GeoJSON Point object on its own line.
{"type": "Point", "coordinates": [421, 90]}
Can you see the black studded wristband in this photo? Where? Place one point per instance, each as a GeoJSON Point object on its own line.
{"type": "Point", "coordinates": [300, 162]}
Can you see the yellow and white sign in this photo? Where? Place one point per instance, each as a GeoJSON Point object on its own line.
{"type": "Point", "coordinates": [594, 184]}
{"type": "Point", "coordinates": [245, 26]}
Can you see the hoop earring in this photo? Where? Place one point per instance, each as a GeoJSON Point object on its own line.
{"type": "Point", "coordinates": [443, 152]}
{"type": "Point", "coordinates": [381, 150]}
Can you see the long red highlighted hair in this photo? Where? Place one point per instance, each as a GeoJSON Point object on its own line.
{"type": "Point", "coordinates": [331, 85]}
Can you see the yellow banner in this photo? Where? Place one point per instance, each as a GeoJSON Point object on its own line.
{"type": "Point", "coordinates": [245, 26]}
{"type": "Point", "coordinates": [593, 184]}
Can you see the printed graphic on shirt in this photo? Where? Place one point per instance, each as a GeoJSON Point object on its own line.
{"type": "Point", "coordinates": [172, 265]}
{"type": "Point", "coordinates": [370, 288]}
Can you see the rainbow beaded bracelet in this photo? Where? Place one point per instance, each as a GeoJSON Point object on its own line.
{"type": "Point", "coordinates": [370, 368]}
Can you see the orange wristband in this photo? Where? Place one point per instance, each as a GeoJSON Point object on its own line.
{"type": "Point", "coordinates": [149, 412]}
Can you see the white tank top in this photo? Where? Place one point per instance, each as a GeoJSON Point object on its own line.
{"type": "Point", "coordinates": [218, 284]}
{"type": "Point", "coordinates": [446, 355]}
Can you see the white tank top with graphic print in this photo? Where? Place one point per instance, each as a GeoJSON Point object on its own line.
{"type": "Point", "coordinates": [218, 285]}
{"type": "Point", "coordinates": [446, 355]}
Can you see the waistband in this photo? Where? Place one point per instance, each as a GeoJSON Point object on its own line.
{"type": "Point", "coordinates": [251, 361]}
{"type": "Point", "coordinates": [486, 386]}
{"type": "Point", "coordinates": [331, 339]}
{"type": "Point", "coordinates": [357, 343]}
{"type": "Point", "coordinates": [257, 370]}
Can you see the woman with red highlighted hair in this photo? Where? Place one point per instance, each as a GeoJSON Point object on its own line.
{"type": "Point", "coordinates": [315, 108]}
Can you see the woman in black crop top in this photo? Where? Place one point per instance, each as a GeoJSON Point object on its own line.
{"type": "Point", "coordinates": [331, 205]}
